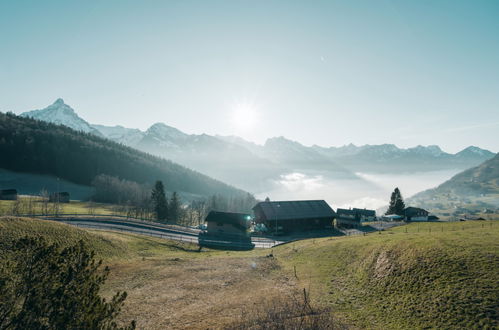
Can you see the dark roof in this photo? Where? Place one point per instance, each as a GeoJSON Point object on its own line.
{"type": "Point", "coordinates": [285, 210]}
{"type": "Point", "coordinates": [365, 212]}
{"type": "Point", "coordinates": [346, 212]}
{"type": "Point", "coordinates": [238, 219]}
{"type": "Point", "coordinates": [414, 210]}
{"type": "Point", "coordinates": [8, 192]}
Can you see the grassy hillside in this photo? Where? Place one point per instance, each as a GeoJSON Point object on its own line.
{"type": "Point", "coordinates": [14, 228]}
{"type": "Point", "coordinates": [428, 275]}
{"type": "Point", "coordinates": [437, 275]}
{"type": "Point", "coordinates": [474, 189]}
{"type": "Point", "coordinates": [169, 284]}
{"type": "Point", "coordinates": [32, 146]}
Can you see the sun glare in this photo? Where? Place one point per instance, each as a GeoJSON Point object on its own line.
{"type": "Point", "coordinates": [244, 116]}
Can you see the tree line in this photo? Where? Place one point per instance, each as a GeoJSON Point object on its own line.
{"type": "Point", "coordinates": [33, 146]}
{"type": "Point", "coordinates": [142, 201]}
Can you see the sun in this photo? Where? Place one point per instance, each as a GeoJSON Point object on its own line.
{"type": "Point", "coordinates": [244, 116]}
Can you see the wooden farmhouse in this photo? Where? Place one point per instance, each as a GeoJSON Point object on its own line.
{"type": "Point", "coordinates": [228, 223]}
{"type": "Point", "coordinates": [415, 214]}
{"type": "Point", "coordinates": [8, 194]}
{"type": "Point", "coordinates": [365, 214]}
{"type": "Point", "coordinates": [291, 216]}
{"type": "Point", "coordinates": [347, 218]}
{"type": "Point", "coordinates": [227, 230]}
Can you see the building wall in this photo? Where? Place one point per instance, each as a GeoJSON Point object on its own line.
{"type": "Point", "coordinates": [223, 228]}
{"type": "Point", "coordinates": [418, 218]}
{"type": "Point", "coordinates": [290, 225]}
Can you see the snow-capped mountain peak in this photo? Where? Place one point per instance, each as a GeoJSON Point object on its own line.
{"type": "Point", "coordinates": [62, 114]}
{"type": "Point", "coordinates": [165, 132]}
{"type": "Point", "coordinates": [474, 151]}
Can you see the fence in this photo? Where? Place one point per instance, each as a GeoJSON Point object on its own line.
{"type": "Point", "coordinates": [183, 237]}
{"type": "Point", "coordinates": [176, 237]}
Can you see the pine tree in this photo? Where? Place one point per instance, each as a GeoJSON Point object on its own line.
{"type": "Point", "coordinates": [160, 204]}
{"type": "Point", "coordinates": [47, 286]}
{"type": "Point", "coordinates": [397, 204]}
{"type": "Point", "coordinates": [174, 207]}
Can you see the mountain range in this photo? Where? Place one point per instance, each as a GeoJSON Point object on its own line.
{"type": "Point", "coordinates": [251, 166]}
{"type": "Point", "coordinates": [474, 189]}
{"type": "Point", "coordinates": [32, 146]}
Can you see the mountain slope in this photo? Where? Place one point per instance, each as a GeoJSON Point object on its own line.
{"type": "Point", "coordinates": [259, 168]}
{"type": "Point", "coordinates": [474, 189]}
{"type": "Point", "coordinates": [62, 114]}
{"type": "Point", "coordinates": [33, 146]}
{"type": "Point", "coordinates": [127, 136]}
{"type": "Point", "coordinates": [219, 159]}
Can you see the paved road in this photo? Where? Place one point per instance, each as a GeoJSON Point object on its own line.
{"type": "Point", "coordinates": [155, 231]}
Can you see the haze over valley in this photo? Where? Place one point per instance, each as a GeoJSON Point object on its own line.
{"type": "Point", "coordinates": [347, 176]}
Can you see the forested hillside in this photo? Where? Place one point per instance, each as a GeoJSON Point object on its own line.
{"type": "Point", "coordinates": [474, 189]}
{"type": "Point", "coordinates": [33, 146]}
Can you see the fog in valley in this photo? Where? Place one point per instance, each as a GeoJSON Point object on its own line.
{"type": "Point", "coordinates": [371, 191]}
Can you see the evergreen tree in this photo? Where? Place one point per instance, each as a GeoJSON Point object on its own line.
{"type": "Point", "coordinates": [174, 207]}
{"type": "Point", "coordinates": [397, 204]}
{"type": "Point", "coordinates": [45, 286]}
{"type": "Point", "coordinates": [160, 204]}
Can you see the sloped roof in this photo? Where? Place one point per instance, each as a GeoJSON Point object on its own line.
{"type": "Point", "coordinates": [284, 210]}
{"type": "Point", "coordinates": [346, 212]}
{"type": "Point", "coordinates": [414, 210]}
{"type": "Point", "coordinates": [366, 212]}
{"type": "Point", "coordinates": [239, 220]}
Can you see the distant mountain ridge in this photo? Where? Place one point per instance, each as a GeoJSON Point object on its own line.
{"type": "Point", "coordinates": [62, 114]}
{"type": "Point", "coordinates": [35, 146]}
{"type": "Point", "coordinates": [475, 188]}
{"type": "Point", "coordinates": [247, 165]}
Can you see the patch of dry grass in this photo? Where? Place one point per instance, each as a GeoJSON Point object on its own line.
{"type": "Point", "coordinates": [199, 293]}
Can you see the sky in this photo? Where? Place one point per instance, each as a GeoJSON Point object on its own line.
{"type": "Point", "coordinates": [319, 72]}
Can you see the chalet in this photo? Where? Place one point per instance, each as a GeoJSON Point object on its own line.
{"type": "Point", "coordinates": [366, 215]}
{"type": "Point", "coordinates": [8, 194]}
{"type": "Point", "coordinates": [60, 197]}
{"type": "Point", "coordinates": [227, 223]}
{"type": "Point", "coordinates": [415, 214]}
{"type": "Point", "coordinates": [347, 218]}
{"type": "Point", "coordinates": [291, 216]}
{"type": "Point", "coordinates": [392, 217]}
{"type": "Point", "coordinates": [226, 230]}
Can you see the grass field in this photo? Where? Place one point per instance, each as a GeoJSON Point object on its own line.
{"type": "Point", "coordinates": [437, 275]}
{"type": "Point", "coordinates": [432, 276]}
{"type": "Point", "coordinates": [74, 207]}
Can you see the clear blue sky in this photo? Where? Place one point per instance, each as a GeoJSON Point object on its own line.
{"type": "Point", "coordinates": [319, 72]}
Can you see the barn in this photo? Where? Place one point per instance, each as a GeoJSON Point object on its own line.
{"type": "Point", "coordinates": [347, 218]}
{"type": "Point", "coordinates": [365, 214]}
{"type": "Point", "coordinates": [415, 214]}
{"type": "Point", "coordinates": [8, 194]}
{"type": "Point", "coordinates": [294, 216]}
{"type": "Point", "coordinates": [226, 230]}
{"type": "Point", "coordinates": [228, 223]}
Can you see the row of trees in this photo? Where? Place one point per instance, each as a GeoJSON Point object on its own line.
{"type": "Point", "coordinates": [140, 201]}
{"type": "Point", "coordinates": [28, 145]}
{"type": "Point", "coordinates": [194, 213]}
